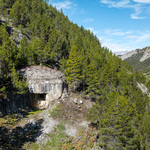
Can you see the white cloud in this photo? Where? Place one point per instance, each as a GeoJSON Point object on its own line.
{"type": "Point", "coordinates": [118, 40]}
{"type": "Point", "coordinates": [63, 5]}
{"type": "Point", "coordinates": [138, 7]}
{"type": "Point", "coordinates": [113, 46]}
{"type": "Point", "coordinates": [132, 36]}
{"type": "Point", "coordinates": [92, 30]}
{"type": "Point", "coordinates": [69, 7]}
{"type": "Point", "coordinates": [82, 11]}
{"type": "Point", "coordinates": [142, 1]}
{"type": "Point", "coordinates": [110, 3]}
{"type": "Point", "coordinates": [138, 10]}
{"type": "Point", "coordinates": [145, 36]}
{"type": "Point", "coordinates": [88, 20]}
{"type": "Point", "coordinates": [136, 35]}
{"type": "Point", "coordinates": [134, 16]}
{"type": "Point", "coordinates": [117, 32]}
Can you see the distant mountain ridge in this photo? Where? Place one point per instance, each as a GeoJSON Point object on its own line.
{"type": "Point", "coordinates": [120, 53]}
{"type": "Point", "coordinates": [139, 60]}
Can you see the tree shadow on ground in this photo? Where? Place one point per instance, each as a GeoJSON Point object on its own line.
{"type": "Point", "coordinates": [15, 139]}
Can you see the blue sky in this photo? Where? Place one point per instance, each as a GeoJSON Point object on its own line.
{"type": "Point", "coordinates": [121, 25]}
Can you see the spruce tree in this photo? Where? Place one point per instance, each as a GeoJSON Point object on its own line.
{"type": "Point", "coordinates": [22, 55]}
{"type": "Point", "coordinates": [73, 71]}
{"type": "Point", "coordinates": [118, 125]}
{"type": "Point", "coordinates": [92, 80]}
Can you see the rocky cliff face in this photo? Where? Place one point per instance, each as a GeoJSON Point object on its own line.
{"type": "Point", "coordinates": [15, 34]}
{"type": "Point", "coordinates": [129, 54]}
{"type": "Point", "coordinates": [146, 54]}
{"type": "Point", "coordinates": [14, 103]}
{"type": "Point", "coordinates": [132, 53]}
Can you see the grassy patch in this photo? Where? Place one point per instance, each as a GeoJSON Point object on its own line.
{"type": "Point", "coordinates": [57, 138]}
{"type": "Point", "coordinates": [56, 112]}
{"type": "Point", "coordinates": [13, 119]}
{"type": "Point", "coordinates": [32, 146]}
{"type": "Point", "coordinates": [85, 140]}
{"type": "Point", "coordinates": [34, 112]}
{"type": "Point", "coordinates": [10, 119]}
{"type": "Point", "coordinates": [2, 121]}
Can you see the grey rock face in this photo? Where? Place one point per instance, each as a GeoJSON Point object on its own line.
{"type": "Point", "coordinates": [143, 88]}
{"type": "Point", "coordinates": [11, 30]}
{"type": "Point", "coordinates": [146, 54]}
{"type": "Point", "coordinates": [129, 54]}
{"type": "Point", "coordinates": [19, 36]}
{"type": "Point", "coordinates": [14, 103]}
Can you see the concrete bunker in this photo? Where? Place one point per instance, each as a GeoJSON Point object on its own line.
{"type": "Point", "coordinates": [45, 85]}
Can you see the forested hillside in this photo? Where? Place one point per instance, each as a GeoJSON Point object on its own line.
{"type": "Point", "coordinates": [121, 112]}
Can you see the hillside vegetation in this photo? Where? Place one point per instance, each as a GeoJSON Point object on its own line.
{"type": "Point", "coordinates": [121, 112]}
{"type": "Point", "coordinates": [137, 61]}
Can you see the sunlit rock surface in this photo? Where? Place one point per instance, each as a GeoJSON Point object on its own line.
{"type": "Point", "coordinates": [146, 54]}
{"type": "Point", "coordinates": [129, 54]}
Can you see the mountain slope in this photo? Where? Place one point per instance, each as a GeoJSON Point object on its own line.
{"type": "Point", "coordinates": [139, 60]}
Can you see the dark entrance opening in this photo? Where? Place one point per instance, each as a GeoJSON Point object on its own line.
{"type": "Point", "coordinates": [41, 97]}
{"type": "Point", "coordinates": [38, 101]}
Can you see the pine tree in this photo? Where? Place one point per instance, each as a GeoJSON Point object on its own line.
{"type": "Point", "coordinates": [145, 131]}
{"type": "Point", "coordinates": [73, 71]}
{"type": "Point", "coordinates": [92, 80]}
{"type": "Point", "coordinates": [22, 55]}
{"type": "Point", "coordinates": [7, 51]}
{"type": "Point", "coordinates": [20, 86]}
{"type": "Point", "coordinates": [17, 14]}
{"type": "Point", "coordinates": [118, 125]}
